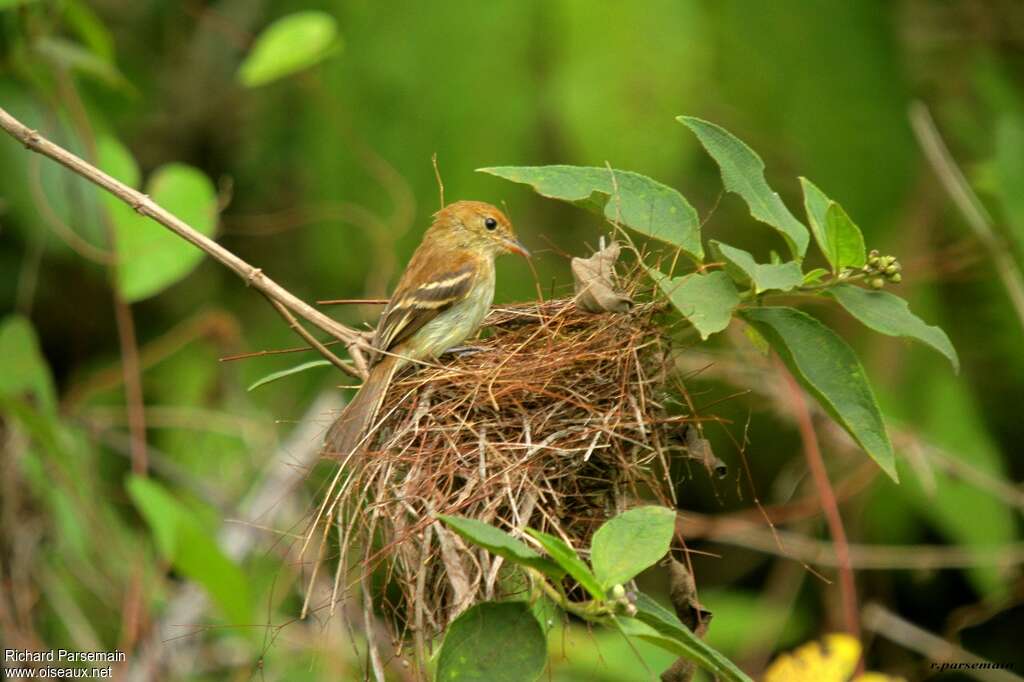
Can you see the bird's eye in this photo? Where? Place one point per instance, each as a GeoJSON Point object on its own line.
{"type": "Point", "coordinates": [490, 223]}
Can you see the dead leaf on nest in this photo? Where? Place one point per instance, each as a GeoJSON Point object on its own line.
{"type": "Point", "coordinates": [595, 289]}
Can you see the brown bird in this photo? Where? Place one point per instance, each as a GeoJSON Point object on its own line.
{"type": "Point", "coordinates": [440, 301]}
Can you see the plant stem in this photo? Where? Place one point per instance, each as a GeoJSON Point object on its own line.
{"type": "Point", "coordinates": [145, 206]}
{"type": "Point", "coordinates": [816, 464]}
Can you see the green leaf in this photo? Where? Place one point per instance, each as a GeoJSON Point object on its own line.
{"type": "Point", "coordinates": [743, 174]}
{"type": "Point", "coordinates": [151, 258]}
{"type": "Point", "coordinates": [181, 539]}
{"type": "Point", "coordinates": [73, 56]}
{"type": "Point", "coordinates": [642, 204]}
{"type": "Point", "coordinates": [292, 43]}
{"type": "Point", "coordinates": [829, 369]}
{"type": "Point", "coordinates": [1009, 169]}
{"type": "Point", "coordinates": [845, 241]}
{"type": "Point", "coordinates": [22, 366]}
{"type": "Point", "coordinates": [567, 558]}
{"type": "Point", "coordinates": [4, 4]}
{"type": "Point", "coordinates": [707, 301]}
{"type": "Point", "coordinates": [629, 543]}
{"type": "Point", "coordinates": [742, 267]}
{"type": "Point", "coordinates": [839, 239]}
{"type": "Point", "coordinates": [660, 623]}
{"type": "Point", "coordinates": [497, 541]}
{"type": "Point", "coordinates": [493, 642]}
{"type": "Point", "coordinates": [889, 314]}
{"type": "Point", "coordinates": [274, 376]}
{"type": "Point", "coordinates": [814, 275]}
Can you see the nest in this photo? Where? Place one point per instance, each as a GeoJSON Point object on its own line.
{"type": "Point", "coordinates": [554, 421]}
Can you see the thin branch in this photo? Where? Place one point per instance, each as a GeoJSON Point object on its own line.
{"type": "Point", "coordinates": [967, 201]}
{"type": "Point", "coordinates": [309, 338]}
{"type": "Point", "coordinates": [816, 464]}
{"type": "Point", "coordinates": [145, 206]}
{"type": "Point", "coordinates": [751, 534]}
{"type": "Point", "coordinates": [132, 376]}
{"type": "Point", "coordinates": [355, 301]}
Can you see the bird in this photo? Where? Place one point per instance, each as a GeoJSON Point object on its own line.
{"type": "Point", "coordinates": [440, 300]}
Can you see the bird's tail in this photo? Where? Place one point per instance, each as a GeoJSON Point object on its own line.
{"type": "Point", "coordinates": [347, 432]}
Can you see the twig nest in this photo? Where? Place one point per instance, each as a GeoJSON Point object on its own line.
{"type": "Point", "coordinates": [550, 422]}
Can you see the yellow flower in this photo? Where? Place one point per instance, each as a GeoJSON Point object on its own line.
{"type": "Point", "coordinates": [834, 659]}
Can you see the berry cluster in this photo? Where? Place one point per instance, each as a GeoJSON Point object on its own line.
{"type": "Point", "coordinates": [881, 268]}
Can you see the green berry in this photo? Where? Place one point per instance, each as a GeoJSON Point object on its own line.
{"type": "Point", "coordinates": [618, 592]}
{"type": "Point", "coordinates": [876, 282]}
{"type": "Point", "coordinates": [896, 278]}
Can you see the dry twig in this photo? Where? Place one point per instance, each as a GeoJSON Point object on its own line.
{"type": "Point", "coordinates": [145, 206]}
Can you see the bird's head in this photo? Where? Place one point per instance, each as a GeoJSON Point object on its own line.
{"type": "Point", "coordinates": [478, 225]}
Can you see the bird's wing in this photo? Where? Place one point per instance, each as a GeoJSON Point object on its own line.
{"type": "Point", "coordinates": [419, 299]}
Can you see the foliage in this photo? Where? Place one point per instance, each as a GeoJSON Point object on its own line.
{"type": "Point", "coordinates": [818, 357]}
{"type": "Point", "coordinates": [621, 549]}
{"type": "Point", "coordinates": [314, 161]}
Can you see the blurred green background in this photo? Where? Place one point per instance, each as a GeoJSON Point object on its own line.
{"type": "Point", "coordinates": [323, 179]}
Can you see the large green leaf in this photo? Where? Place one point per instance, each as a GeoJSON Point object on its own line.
{"type": "Point", "coordinates": [742, 267]}
{"type": "Point", "coordinates": [497, 541]}
{"type": "Point", "coordinates": [642, 204]}
{"type": "Point", "coordinates": [707, 301]}
{"type": "Point", "coordinates": [890, 314]}
{"type": "Point", "coordinates": [660, 626]}
{"type": "Point", "coordinates": [292, 43]}
{"type": "Point", "coordinates": [630, 542]}
{"type": "Point", "coordinates": [743, 173]}
{"type": "Point", "coordinates": [830, 370]}
{"type": "Point", "coordinates": [182, 539]}
{"type": "Point", "coordinates": [150, 257]}
{"type": "Point", "coordinates": [493, 642]}
{"type": "Point", "coordinates": [839, 239]}
{"type": "Point", "coordinates": [22, 366]}
{"type": "Point", "coordinates": [566, 557]}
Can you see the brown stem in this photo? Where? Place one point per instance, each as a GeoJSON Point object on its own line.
{"type": "Point", "coordinates": [309, 338]}
{"type": "Point", "coordinates": [147, 207]}
{"type": "Point", "coordinates": [816, 464]}
{"type": "Point", "coordinates": [132, 385]}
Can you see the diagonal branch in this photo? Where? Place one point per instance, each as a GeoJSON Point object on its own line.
{"type": "Point", "coordinates": [145, 206]}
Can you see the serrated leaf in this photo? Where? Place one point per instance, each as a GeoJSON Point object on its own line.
{"type": "Point", "coordinates": [642, 204]}
{"type": "Point", "coordinates": [150, 257]}
{"type": "Point", "coordinates": [493, 642]}
{"type": "Point", "coordinates": [630, 542]}
{"type": "Point", "coordinates": [889, 314]}
{"type": "Point", "coordinates": [742, 267]}
{"type": "Point", "coordinates": [839, 239]}
{"type": "Point", "coordinates": [566, 557]}
{"type": "Point", "coordinates": [497, 541]}
{"type": "Point", "coordinates": [22, 366]}
{"type": "Point", "coordinates": [183, 541]}
{"type": "Point", "coordinates": [829, 369]}
{"type": "Point", "coordinates": [292, 43]}
{"type": "Point", "coordinates": [274, 376]}
{"type": "Point", "coordinates": [743, 173]}
{"type": "Point", "coordinates": [707, 301]}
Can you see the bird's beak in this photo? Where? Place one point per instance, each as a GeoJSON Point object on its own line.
{"type": "Point", "coordinates": [515, 246]}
